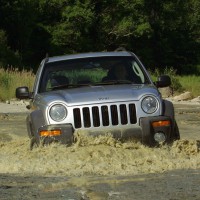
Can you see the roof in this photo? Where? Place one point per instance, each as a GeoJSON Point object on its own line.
{"type": "Point", "coordinates": [88, 55]}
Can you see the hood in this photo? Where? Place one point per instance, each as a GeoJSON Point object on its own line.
{"type": "Point", "coordinates": [99, 94]}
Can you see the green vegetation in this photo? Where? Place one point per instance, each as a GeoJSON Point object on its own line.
{"type": "Point", "coordinates": [161, 33]}
{"type": "Point", "coordinates": [12, 78]}
{"type": "Point", "coordinates": [190, 83]}
{"type": "Point", "coordinates": [182, 83]}
{"type": "Point", "coordinates": [175, 82]}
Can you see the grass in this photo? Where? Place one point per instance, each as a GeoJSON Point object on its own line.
{"type": "Point", "coordinates": [180, 84]}
{"type": "Point", "coordinates": [190, 83]}
{"type": "Point", "coordinates": [12, 78]}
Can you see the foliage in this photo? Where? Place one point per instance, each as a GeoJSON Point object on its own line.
{"type": "Point", "coordinates": [7, 56]}
{"type": "Point", "coordinates": [11, 78]}
{"type": "Point", "coordinates": [170, 71]}
{"type": "Point", "coordinates": [162, 33]}
{"type": "Point", "coordinates": [190, 83]}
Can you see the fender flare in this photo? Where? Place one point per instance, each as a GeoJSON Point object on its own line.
{"type": "Point", "coordinates": [168, 110]}
{"type": "Point", "coordinates": [34, 121]}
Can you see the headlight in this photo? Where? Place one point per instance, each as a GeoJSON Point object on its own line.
{"type": "Point", "coordinates": [58, 112]}
{"type": "Point", "coordinates": [149, 104]}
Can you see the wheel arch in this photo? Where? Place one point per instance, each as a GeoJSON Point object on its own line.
{"type": "Point", "coordinates": [168, 109]}
{"type": "Point", "coordinates": [34, 121]}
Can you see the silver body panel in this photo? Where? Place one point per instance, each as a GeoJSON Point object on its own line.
{"type": "Point", "coordinates": [97, 109]}
{"type": "Point", "coordinates": [91, 96]}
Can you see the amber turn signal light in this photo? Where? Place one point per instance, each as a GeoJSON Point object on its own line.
{"type": "Point", "coordinates": [161, 123]}
{"type": "Point", "coordinates": [46, 133]}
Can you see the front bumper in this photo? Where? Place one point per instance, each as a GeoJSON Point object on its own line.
{"type": "Point", "coordinates": [144, 132]}
{"type": "Point", "coordinates": [65, 136]}
{"type": "Point", "coordinates": [148, 130]}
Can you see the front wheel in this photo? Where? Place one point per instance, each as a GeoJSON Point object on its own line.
{"type": "Point", "coordinates": [175, 134]}
{"type": "Point", "coordinates": [33, 143]}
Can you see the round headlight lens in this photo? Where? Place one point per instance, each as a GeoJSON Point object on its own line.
{"type": "Point", "coordinates": [149, 104]}
{"type": "Point", "coordinates": [58, 112]}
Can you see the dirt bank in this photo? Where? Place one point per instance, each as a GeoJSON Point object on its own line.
{"type": "Point", "coordinates": [100, 168]}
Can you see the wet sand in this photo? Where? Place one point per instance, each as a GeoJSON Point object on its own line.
{"type": "Point", "coordinates": [100, 168]}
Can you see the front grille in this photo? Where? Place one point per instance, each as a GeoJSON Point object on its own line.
{"type": "Point", "coordinates": [104, 115]}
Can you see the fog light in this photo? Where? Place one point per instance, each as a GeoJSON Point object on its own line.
{"type": "Point", "coordinates": [159, 137]}
{"type": "Point", "coordinates": [46, 133]}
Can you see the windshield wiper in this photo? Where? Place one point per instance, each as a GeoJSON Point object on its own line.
{"type": "Point", "coordinates": [110, 82]}
{"type": "Point", "coordinates": [114, 82]}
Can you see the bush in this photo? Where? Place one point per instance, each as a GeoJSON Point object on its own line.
{"type": "Point", "coordinates": [170, 71]}
{"type": "Point", "coordinates": [12, 78]}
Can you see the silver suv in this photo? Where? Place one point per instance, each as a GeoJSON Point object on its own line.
{"type": "Point", "coordinates": [98, 93]}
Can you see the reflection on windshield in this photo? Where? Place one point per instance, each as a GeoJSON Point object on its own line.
{"type": "Point", "coordinates": [92, 71]}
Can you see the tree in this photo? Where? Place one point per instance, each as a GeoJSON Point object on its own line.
{"type": "Point", "coordinates": [162, 33]}
{"type": "Point", "coordinates": [7, 56]}
{"type": "Point", "coordinates": [171, 42]}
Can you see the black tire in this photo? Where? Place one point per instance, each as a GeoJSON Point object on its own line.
{"type": "Point", "coordinates": [33, 143]}
{"type": "Point", "coordinates": [176, 133]}
{"type": "Point", "coordinates": [168, 109]}
{"type": "Point", "coordinates": [29, 128]}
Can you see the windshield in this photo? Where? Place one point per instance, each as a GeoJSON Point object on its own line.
{"type": "Point", "coordinates": [91, 71]}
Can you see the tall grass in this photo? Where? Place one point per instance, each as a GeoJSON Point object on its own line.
{"type": "Point", "coordinates": [180, 84]}
{"type": "Point", "coordinates": [190, 83]}
{"type": "Point", "coordinates": [175, 83]}
{"type": "Point", "coordinates": [12, 78]}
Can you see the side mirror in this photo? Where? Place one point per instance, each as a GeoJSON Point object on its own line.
{"type": "Point", "coordinates": [22, 93]}
{"type": "Point", "coordinates": [163, 81]}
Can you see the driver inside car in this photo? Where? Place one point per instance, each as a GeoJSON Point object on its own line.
{"type": "Point", "coordinates": [118, 72]}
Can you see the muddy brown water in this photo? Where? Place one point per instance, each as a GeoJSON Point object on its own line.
{"type": "Point", "coordinates": [100, 168]}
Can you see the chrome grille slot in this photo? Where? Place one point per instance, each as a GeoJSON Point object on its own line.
{"type": "Point", "coordinates": [123, 113]}
{"type": "Point", "coordinates": [105, 116]}
{"type": "Point", "coordinates": [77, 117]}
{"type": "Point", "coordinates": [111, 115]}
{"type": "Point", "coordinates": [132, 112]}
{"type": "Point", "coordinates": [114, 115]}
{"type": "Point", "coordinates": [86, 117]}
{"type": "Point", "coordinates": [96, 118]}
